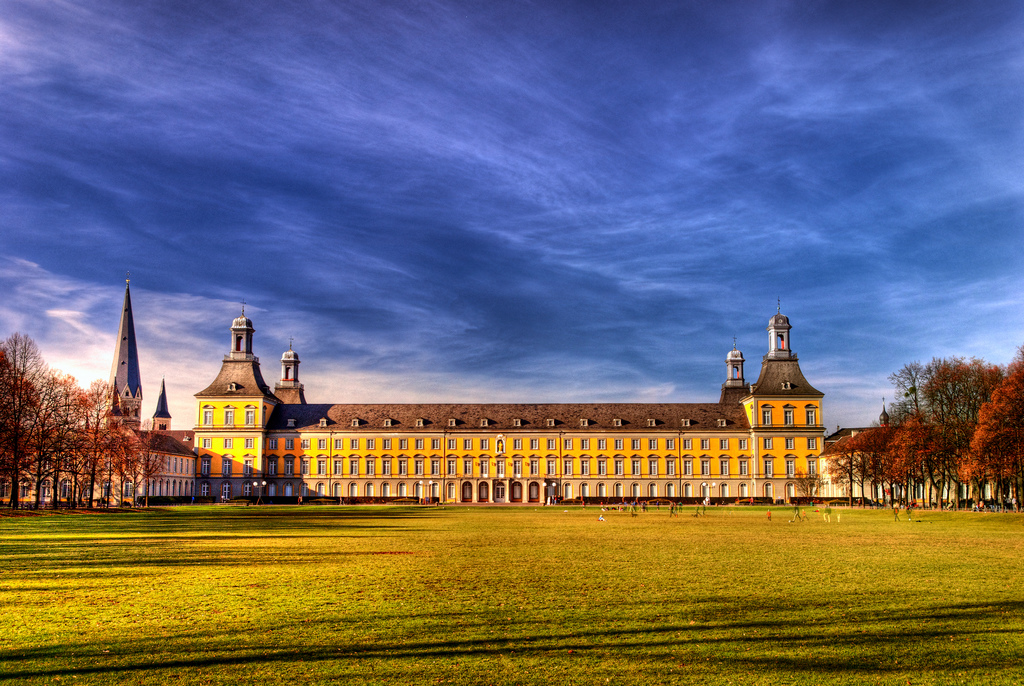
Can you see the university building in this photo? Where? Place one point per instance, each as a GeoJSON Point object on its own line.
{"type": "Point", "coordinates": [757, 441]}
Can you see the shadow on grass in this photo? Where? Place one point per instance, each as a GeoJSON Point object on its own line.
{"type": "Point", "coordinates": [840, 648]}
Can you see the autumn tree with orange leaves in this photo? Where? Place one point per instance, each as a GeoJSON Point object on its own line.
{"type": "Point", "coordinates": [997, 446]}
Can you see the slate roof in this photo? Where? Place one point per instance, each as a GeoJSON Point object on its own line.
{"type": "Point", "coordinates": [775, 372]}
{"type": "Point", "coordinates": [161, 403]}
{"type": "Point", "coordinates": [533, 416]}
{"type": "Point", "coordinates": [173, 442]}
{"type": "Point", "coordinates": [124, 372]}
{"type": "Point", "coordinates": [246, 376]}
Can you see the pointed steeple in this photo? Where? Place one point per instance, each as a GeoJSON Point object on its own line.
{"type": "Point", "coordinates": [162, 416]}
{"type": "Point", "coordinates": [125, 378]}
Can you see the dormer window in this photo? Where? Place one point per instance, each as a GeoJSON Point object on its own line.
{"type": "Point", "coordinates": [616, 422]}
{"type": "Point", "coordinates": [551, 422]}
{"type": "Point", "coordinates": [787, 386]}
{"type": "Point", "coordinates": [323, 422]}
{"type": "Point", "coordinates": [721, 423]}
{"type": "Point", "coordinates": [291, 423]}
{"type": "Point", "coordinates": [231, 386]}
{"type": "Point", "coordinates": [584, 422]}
{"type": "Point", "coordinates": [517, 422]}
{"type": "Point", "coordinates": [687, 422]}
{"type": "Point", "coordinates": [484, 422]}
{"type": "Point", "coordinates": [387, 422]}
{"type": "Point", "coordinates": [355, 423]}
{"type": "Point", "coordinates": [419, 423]}
{"type": "Point", "coordinates": [451, 422]}
{"type": "Point", "coordinates": [652, 422]}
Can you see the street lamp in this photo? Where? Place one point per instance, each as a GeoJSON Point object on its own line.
{"type": "Point", "coordinates": [422, 492]}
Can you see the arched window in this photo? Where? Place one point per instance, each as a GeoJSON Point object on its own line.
{"type": "Point", "coordinates": [337, 490]}
{"type": "Point", "coordinates": [320, 489]}
{"type": "Point", "coordinates": [369, 490]}
{"type": "Point", "coordinates": [272, 489]}
{"type": "Point", "coordinates": [401, 490]}
{"type": "Point", "coordinates": [743, 491]}
{"type": "Point", "coordinates": [305, 489]}
{"type": "Point", "coordinates": [634, 490]}
{"type": "Point", "coordinates": [768, 491]}
{"type": "Point", "coordinates": [601, 491]}
{"type": "Point", "coordinates": [725, 490]}
{"type": "Point", "coordinates": [225, 490]}
{"type": "Point", "coordinates": [704, 490]}
{"type": "Point", "coordinates": [385, 490]}
{"type": "Point", "coordinates": [288, 493]}
{"type": "Point", "coordinates": [584, 490]}
{"type": "Point", "coordinates": [670, 490]}
{"type": "Point", "coordinates": [652, 490]}
{"type": "Point", "coordinates": [567, 491]}
{"type": "Point", "coordinates": [687, 491]}
{"type": "Point", "coordinates": [353, 490]}
{"type": "Point", "coordinates": [205, 490]}
{"type": "Point", "coordinates": [790, 491]}
{"type": "Point", "coordinates": [618, 490]}
{"type": "Point", "coordinates": [451, 491]}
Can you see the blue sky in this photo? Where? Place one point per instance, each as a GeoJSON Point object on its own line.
{"type": "Point", "coordinates": [549, 201]}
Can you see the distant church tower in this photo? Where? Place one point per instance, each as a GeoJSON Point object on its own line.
{"type": "Point", "coordinates": [125, 379]}
{"type": "Point", "coordinates": [162, 416]}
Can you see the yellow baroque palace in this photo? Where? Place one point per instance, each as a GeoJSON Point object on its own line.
{"type": "Point", "coordinates": [758, 441]}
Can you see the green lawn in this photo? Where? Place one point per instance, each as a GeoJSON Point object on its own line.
{"type": "Point", "coordinates": [226, 595]}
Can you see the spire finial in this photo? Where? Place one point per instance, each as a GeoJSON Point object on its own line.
{"type": "Point", "coordinates": [127, 277]}
{"type": "Point", "coordinates": [243, 308]}
{"type": "Point", "coordinates": [290, 339]}
{"type": "Point", "coordinates": [779, 306]}
{"type": "Point", "coordinates": [733, 342]}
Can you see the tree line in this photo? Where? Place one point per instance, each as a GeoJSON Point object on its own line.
{"type": "Point", "coordinates": [62, 444]}
{"type": "Point", "coordinates": [955, 430]}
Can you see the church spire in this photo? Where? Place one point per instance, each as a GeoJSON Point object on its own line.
{"type": "Point", "coordinates": [125, 379]}
{"type": "Point", "coordinates": [162, 416]}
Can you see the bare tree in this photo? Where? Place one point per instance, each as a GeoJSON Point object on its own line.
{"type": "Point", "coordinates": [21, 368]}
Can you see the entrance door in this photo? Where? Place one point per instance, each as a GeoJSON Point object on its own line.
{"type": "Point", "coordinates": [484, 492]}
{"type": "Point", "coordinates": [467, 492]}
{"type": "Point", "coordinates": [499, 492]}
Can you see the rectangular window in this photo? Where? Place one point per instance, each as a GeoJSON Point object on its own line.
{"type": "Point", "coordinates": [371, 466]}
{"type": "Point", "coordinates": [289, 444]}
{"type": "Point", "coordinates": [271, 444]}
{"type": "Point", "coordinates": [552, 444]}
{"type": "Point", "coordinates": [453, 444]}
{"type": "Point", "coordinates": [790, 443]}
{"type": "Point", "coordinates": [723, 467]}
{"type": "Point", "coordinates": [688, 467]}
{"type": "Point", "coordinates": [403, 468]}
{"type": "Point", "coordinates": [206, 466]}
{"type": "Point", "coordinates": [484, 468]}
{"type": "Point", "coordinates": [371, 443]}
{"type": "Point", "coordinates": [403, 443]}
{"type": "Point", "coordinates": [228, 443]}
{"type": "Point", "coordinates": [247, 468]}
{"type": "Point", "coordinates": [635, 444]}
{"type": "Point", "coordinates": [670, 467]}
{"type": "Point", "coordinates": [337, 468]}
{"type": "Point", "coordinates": [567, 444]}
{"type": "Point", "coordinates": [229, 417]}
{"type": "Point", "coordinates": [723, 443]}
{"type": "Point", "coordinates": [767, 444]}
{"type": "Point", "coordinates": [321, 467]}
{"type": "Point", "coordinates": [321, 444]}
{"type": "Point", "coordinates": [705, 467]}
{"type": "Point", "coordinates": [207, 417]}
{"type": "Point", "coordinates": [385, 444]}
{"type": "Point", "coordinates": [635, 467]}
{"type": "Point", "coordinates": [744, 468]}
{"type": "Point", "coordinates": [602, 467]}
{"type": "Point", "coordinates": [620, 468]}
{"type": "Point", "coordinates": [652, 467]}
{"type": "Point", "coordinates": [339, 443]}
{"type": "Point", "coordinates": [305, 444]}
{"type": "Point", "coordinates": [743, 444]}
{"type": "Point", "coordinates": [534, 467]}
{"type": "Point", "coordinates": [435, 443]}
{"type": "Point", "coordinates": [670, 444]}
{"type": "Point", "coordinates": [585, 467]}
{"type": "Point", "coordinates": [353, 444]}
{"type": "Point", "coordinates": [225, 466]}
{"type": "Point", "coordinates": [517, 444]}
{"type": "Point", "coordinates": [419, 467]}
{"type": "Point", "coordinates": [705, 444]}
{"type": "Point", "coordinates": [652, 443]}
{"type": "Point", "coordinates": [567, 467]}
{"type": "Point", "coordinates": [787, 417]}
{"type": "Point", "coordinates": [812, 443]}
{"type": "Point", "coordinates": [435, 468]}
{"type": "Point", "coordinates": [485, 444]}
{"type": "Point", "coordinates": [419, 444]}
{"type": "Point", "coordinates": [451, 468]}
{"type": "Point", "coordinates": [812, 418]}
{"type": "Point", "coordinates": [534, 444]}
{"type": "Point", "coordinates": [602, 444]}
{"type": "Point", "coordinates": [500, 469]}
{"type": "Point", "coordinates": [551, 467]}
{"type": "Point", "coordinates": [250, 443]}
{"type": "Point", "coordinates": [687, 444]}
{"type": "Point", "coordinates": [619, 443]}
{"type": "Point", "coordinates": [289, 466]}
{"type": "Point", "coordinates": [517, 468]}
{"type": "Point", "coordinates": [768, 468]}
{"type": "Point", "coordinates": [305, 467]}
{"type": "Point", "coordinates": [790, 468]}
{"type": "Point", "coordinates": [385, 467]}
{"type": "Point", "coordinates": [812, 467]}
{"type": "Point", "coordinates": [208, 443]}
{"type": "Point", "coordinates": [584, 444]}
{"type": "Point", "coordinates": [250, 417]}
{"type": "Point", "coordinates": [467, 467]}
{"type": "Point", "coordinates": [766, 417]}
{"type": "Point", "coordinates": [353, 467]}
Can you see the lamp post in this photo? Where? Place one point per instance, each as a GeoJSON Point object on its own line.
{"type": "Point", "coordinates": [422, 491]}
{"type": "Point", "coordinates": [430, 484]}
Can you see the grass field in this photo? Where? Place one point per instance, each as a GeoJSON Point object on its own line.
{"type": "Point", "coordinates": [510, 596]}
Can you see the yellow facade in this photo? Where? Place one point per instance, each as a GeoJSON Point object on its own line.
{"type": "Point", "coordinates": [751, 444]}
